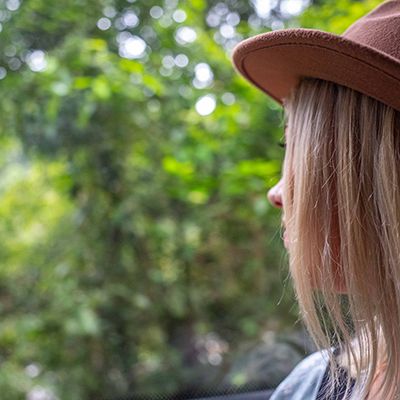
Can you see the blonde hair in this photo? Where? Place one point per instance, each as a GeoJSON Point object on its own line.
{"type": "Point", "coordinates": [341, 201]}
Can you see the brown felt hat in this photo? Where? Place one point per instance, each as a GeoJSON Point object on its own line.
{"type": "Point", "coordinates": [366, 57]}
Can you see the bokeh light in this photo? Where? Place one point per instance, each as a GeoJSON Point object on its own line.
{"type": "Point", "coordinates": [13, 5]}
{"type": "Point", "coordinates": [10, 51]}
{"type": "Point", "coordinates": [263, 7]}
{"type": "Point", "coordinates": [228, 98]}
{"type": "Point", "coordinates": [3, 72]}
{"type": "Point", "coordinates": [227, 31]}
{"type": "Point", "coordinates": [206, 105]}
{"type": "Point", "coordinates": [36, 60]}
{"type": "Point", "coordinates": [156, 12]}
{"type": "Point", "coordinates": [132, 47]}
{"type": "Point", "coordinates": [168, 61]}
{"type": "Point", "coordinates": [185, 35]}
{"type": "Point", "coordinates": [233, 18]}
{"type": "Point", "coordinates": [181, 60]}
{"type": "Point", "coordinates": [104, 24]}
{"type": "Point", "coordinates": [109, 12]}
{"type": "Point", "coordinates": [14, 63]}
{"type": "Point", "coordinates": [203, 76]}
{"type": "Point", "coordinates": [130, 19]}
{"type": "Point", "coordinates": [277, 24]}
{"type": "Point", "coordinates": [293, 7]}
{"type": "Point", "coordinates": [32, 370]}
{"type": "Point", "coordinates": [40, 393]}
{"type": "Point", "coordinates": [179, 16]}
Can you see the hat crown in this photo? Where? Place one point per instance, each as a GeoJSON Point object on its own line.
{"type": "Point", "coordinates": [365, 58]}
{"type": "Point", "coordinates": [379, 29]}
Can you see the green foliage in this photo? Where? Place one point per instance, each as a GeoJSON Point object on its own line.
{"type": "Point", "coordinates": [133, 227]}
{"type": "Point", "coordinates": [338, 17]}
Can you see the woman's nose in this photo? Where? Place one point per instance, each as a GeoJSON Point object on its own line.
{"type": "Point", "coordinates": [275, 194]}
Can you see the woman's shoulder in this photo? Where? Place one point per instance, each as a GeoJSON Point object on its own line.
{"type": "Point", "coordinates": [305, 379]}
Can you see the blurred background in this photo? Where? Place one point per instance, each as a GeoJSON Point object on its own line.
{"type": "Point", "coordinates": [139, 255]}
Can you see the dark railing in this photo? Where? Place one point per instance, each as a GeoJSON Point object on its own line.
{"type": "Point", "coordinates": [259, 395]}
{"type": "Point", "coordinates": [249, 395]}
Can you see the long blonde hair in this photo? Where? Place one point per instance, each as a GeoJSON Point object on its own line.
{"type": "Point", "coordinates": [341, 202]}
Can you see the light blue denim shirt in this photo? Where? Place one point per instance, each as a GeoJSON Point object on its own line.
{"type": "Point", "coordinates": [305, 380]}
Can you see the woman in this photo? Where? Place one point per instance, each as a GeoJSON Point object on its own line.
{"type": "Point", "coordinates": [340, 195]}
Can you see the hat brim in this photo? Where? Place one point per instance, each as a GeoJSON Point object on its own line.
{"type": "Point", "coordinates": [277, 60]}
